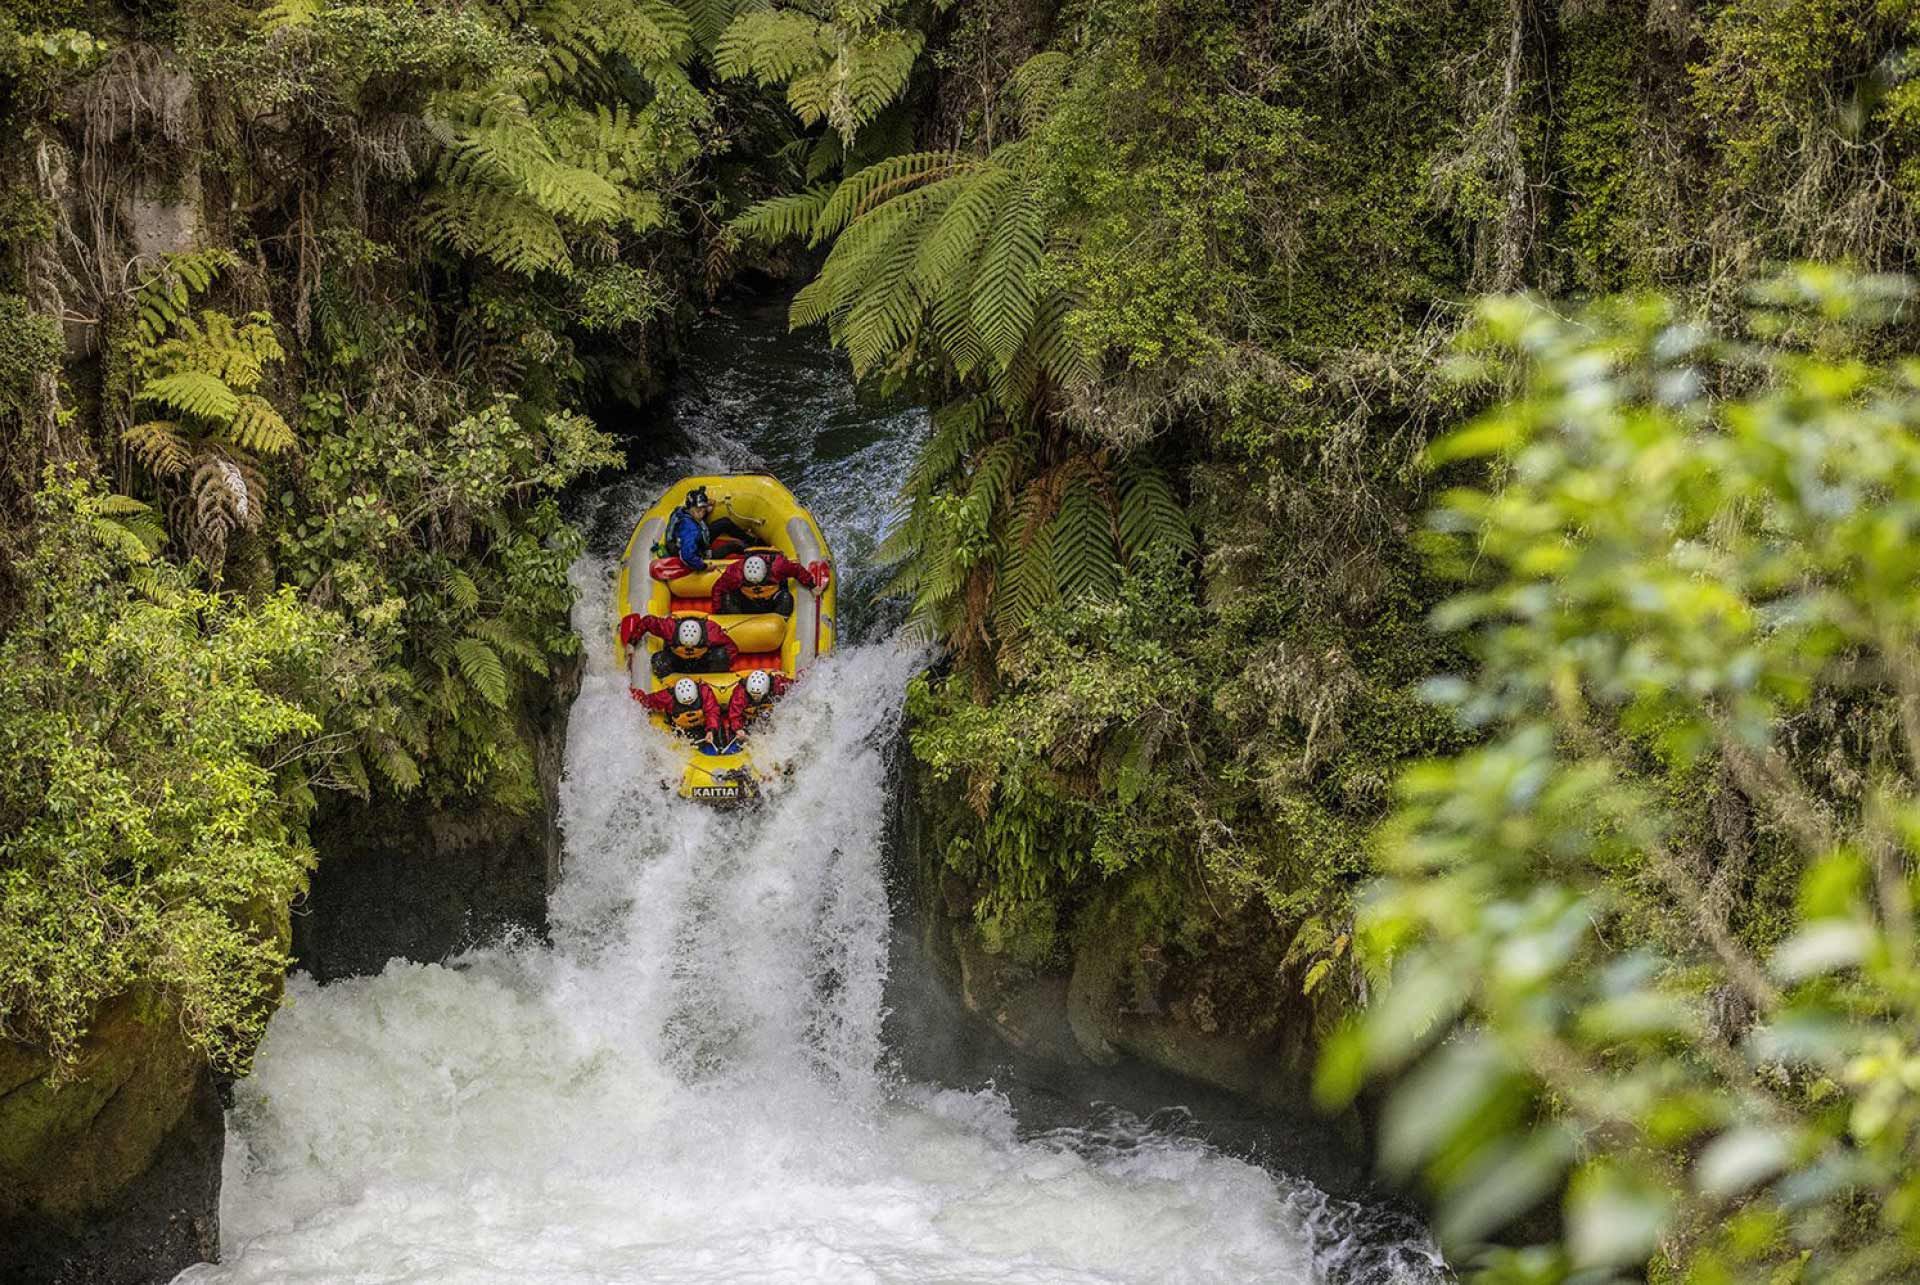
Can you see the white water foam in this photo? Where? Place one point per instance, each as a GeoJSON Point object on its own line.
{"type": "Point", "coordinates": [686, 1086]}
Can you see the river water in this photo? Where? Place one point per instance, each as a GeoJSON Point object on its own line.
{"type": "Point", "coordinates": [692, 1082]}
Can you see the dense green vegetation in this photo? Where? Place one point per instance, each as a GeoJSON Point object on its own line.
{"type": "Point", "coordinates": [300, 308]}
{"type": "Point", "coordinates": [303, 309]}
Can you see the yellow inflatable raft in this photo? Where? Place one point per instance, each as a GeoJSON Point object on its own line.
{"type": "Point", "coordinates": [766, 512]}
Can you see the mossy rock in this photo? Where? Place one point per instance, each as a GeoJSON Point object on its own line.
{"type": "Point", "coordinates": [112, 1175]}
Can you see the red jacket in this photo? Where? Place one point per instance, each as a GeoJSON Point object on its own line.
{"type": "Point", "coordinates": [783, 570]}
{"type": "Point", "coordinates": [633, 628]}
{"type": "Point", "coordinates": [741, 707]}
{"type": "Point", "coordinates": [662, 702]}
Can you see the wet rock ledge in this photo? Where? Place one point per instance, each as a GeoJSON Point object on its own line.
{"type": "Point", "coordinates": [398, 879]}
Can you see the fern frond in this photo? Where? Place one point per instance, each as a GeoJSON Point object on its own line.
{"type": "Point", "coordinates": [290, 13]}
{"type": "Point", "coordinates": [869, 74]}
{"type": "Point", "coordinates": [225, 499]}
{"type": "Point", "coordinates": [461, 588]}
{"type": "Point", "coordinates": [257, 427]}
{"type": "Point", "coordinates": [122, 540]}
{"type": "Point", "coordinates": [1026, 583]}
{"type": "Point", "coordinates": [782, 218]}
{"type": "Point", "coordinates": [993, 472]}
{"type": "Point", "coordinates": [1151, 517]}
{"type": "Point", "coordinates": [1085, 562]}
{"type": "Point", "coordinates": [1055, 350]}
{"type": "Point", "coordinates": [513, 233]}
{"type": "Point", "coordinates": [885, 313]}
{"type": "Point", "coordinates": [771, 46]}
{"type": "Point", "coordinates": [123, 506]}
{"type": "Point", "coordinates": [162, 298]}
{"type": "Point", "coordinates": [508, 641]}
{"type": "Point", "coordinates": [1036, 87]}
{"type": "Point", "coordinates": [957, 428]}
{"type": "Point", "coordinates": [864, 190]}
{"type": "Point", "coordinates": [587, 33]}
{"type": "Point", "coordinates": [951, 249]}
{"type": "Point", "coordinates": [159, 446]}
{"type": "Point", "coordinates": [480, 665]}
{"type": "Point", "coordinates": [192, 392]}
{"type": "Point", "coordinates": [400, 768]}
{"type": "Point", "coordinates": [1004, 290]}
{"type": "Point", "coordinates": [708, 18]}
{"type": "Point", "coordinates": [123, 518]}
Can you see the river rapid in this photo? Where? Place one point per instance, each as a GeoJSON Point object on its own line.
{"type": "Point", "coordinates": [692, 1081]}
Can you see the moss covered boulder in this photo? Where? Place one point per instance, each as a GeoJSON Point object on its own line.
{"type": "Point", "coordinates": [112, 1176]}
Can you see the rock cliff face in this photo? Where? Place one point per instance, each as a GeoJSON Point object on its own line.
{"type": "Point", "coordinates": [113, 1177]}
{"type": "Point", "coordinates": [1110, 1000]}
{"type": "Point", "coordinates": [404, 879]}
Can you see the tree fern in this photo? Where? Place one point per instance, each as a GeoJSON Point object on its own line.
{"type": "Point", "coordinates": [942, 255]}
{"type": "Point", "coordinates": [842, 72]}
{"type": "Point", "coordinates": [525, 172]}
{"type": "Point", "coordinates": [206, 374]}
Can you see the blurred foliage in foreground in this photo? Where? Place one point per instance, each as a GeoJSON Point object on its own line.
{"type": "Point", "coordinates": [1691, 549]}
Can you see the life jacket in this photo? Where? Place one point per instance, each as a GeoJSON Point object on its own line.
{"type": "Point", "coordinates": [689, 718]}
{"type": "Point", "coordinates": [670, 547]}
{"type": "Point", "coordinates": [770, 588]}
{"type": "Point", "coordinates": [755, 708]}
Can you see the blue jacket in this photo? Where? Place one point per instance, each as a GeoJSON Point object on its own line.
{"type": "Point", "coordinates": [687, 539]}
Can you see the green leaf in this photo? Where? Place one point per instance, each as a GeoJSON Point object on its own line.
{"type": "Point", "coordinates": [193, 392]}
{"type": "Point", "coordinates": [481, 666]}
{"type": "Point", "coordinates": [1740, 1158]}
{"type": "Point", "coordinates": [1615, 1217]}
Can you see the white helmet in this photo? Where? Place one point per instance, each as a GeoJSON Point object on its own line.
{"type": "Point", "coordinates": [686, 691]}
{"type": "Point", "coordinates": [755, 570]}
{"type": "Point", "coordinates": [759, 683]}
{"type": "Point", "coordinates": [690, 633]}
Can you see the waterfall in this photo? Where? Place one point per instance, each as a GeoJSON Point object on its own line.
{"type": "Point", "coordinates": [689, 1084]}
